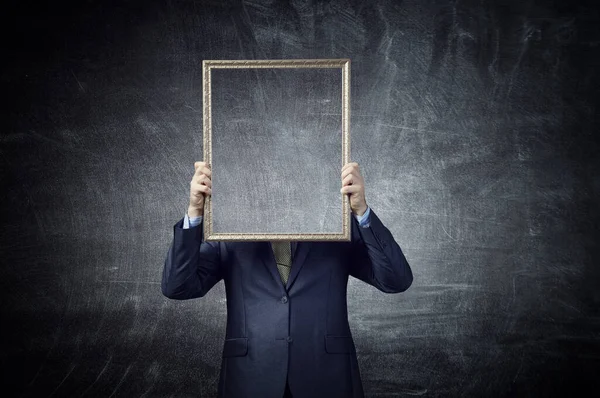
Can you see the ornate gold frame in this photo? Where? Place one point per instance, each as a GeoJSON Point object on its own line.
{"type": "Point", "coordinates": [344, 65]}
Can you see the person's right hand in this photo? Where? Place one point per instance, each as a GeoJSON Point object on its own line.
{"type": "Point", "coordinates": [200, 186]}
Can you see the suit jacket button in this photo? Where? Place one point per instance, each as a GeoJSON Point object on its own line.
{"type": "Point", "coordinates": [289, 339]}
{"type": "Point", "coordinates": [284, 299]}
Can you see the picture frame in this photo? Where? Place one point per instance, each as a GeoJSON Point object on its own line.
{"type": "Point", "coordinates": [212, 113]}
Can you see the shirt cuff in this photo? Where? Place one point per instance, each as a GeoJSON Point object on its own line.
{"type": "Point", "coordinates": [364, 220]}
{"type": "Point", "coordinates": [191, 222]}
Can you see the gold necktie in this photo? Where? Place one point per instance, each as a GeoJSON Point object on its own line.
{"type": "Point", "coordinates": [283, 257]}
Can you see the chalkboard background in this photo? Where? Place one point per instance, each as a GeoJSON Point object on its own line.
{"type": "Point", "coordinates": [276, 152]}
{"type": "Point", "coordinates": [473, 122]}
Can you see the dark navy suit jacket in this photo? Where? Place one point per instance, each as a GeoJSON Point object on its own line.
{"type": "Point", "coordinates": [299, 331]}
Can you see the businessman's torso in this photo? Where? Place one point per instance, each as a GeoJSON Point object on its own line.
{"type": "Point", "coordinates": [303, 324]}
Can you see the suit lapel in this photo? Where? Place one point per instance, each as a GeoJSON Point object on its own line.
{"type": "Point", "coordinates": [268, 259]}
{"type": "Point", "coordinates": [302, 248]}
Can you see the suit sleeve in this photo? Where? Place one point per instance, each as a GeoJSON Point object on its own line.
{"type": "Point", "coordinates": [377, 259]}
{"type": "Point", "coordinates": [192, 267]}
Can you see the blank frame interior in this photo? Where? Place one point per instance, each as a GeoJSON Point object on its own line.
{"type": "Point", "coordinates": [276, 135]}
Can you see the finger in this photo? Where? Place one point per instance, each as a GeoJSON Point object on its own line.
{"type": "Point", "coordinates": [350, 164]}
{"type": "Point", "coordinates": [348, 180]}
{"type": "Point", "coordinates": [203, 170]}
{"type": "Point", "coordinates": [197, 189]}
{"type": "Point", "coordinates": [208, 182]}
{"type": "Point", "coordinates": [201, 164]}
{"type": "Point", "coordinates": [350, 189]}
{"type": "Point", "coordinates": [204, 180]}
{"type": "Point", "coordinates": [348, 171]}
{"type": "Point", "coordinates": [198, 183]}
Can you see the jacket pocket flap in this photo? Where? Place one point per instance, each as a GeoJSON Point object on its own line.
{"type": "Point", "coordinates": [339, 344]}
{"type": "Point", "coordinates": [235, 347]}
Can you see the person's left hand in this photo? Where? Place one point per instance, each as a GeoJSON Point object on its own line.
{"type": "Point", "coordinates": [353, 183]}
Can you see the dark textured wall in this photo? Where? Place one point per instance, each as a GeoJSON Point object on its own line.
{"type": "Point", "coordinates": [474, 123]}
{"type": "Point", "coordinates": [276, 151]}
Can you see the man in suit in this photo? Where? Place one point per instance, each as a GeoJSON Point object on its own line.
{"type": "Point", "coordinates": [287, 329]}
